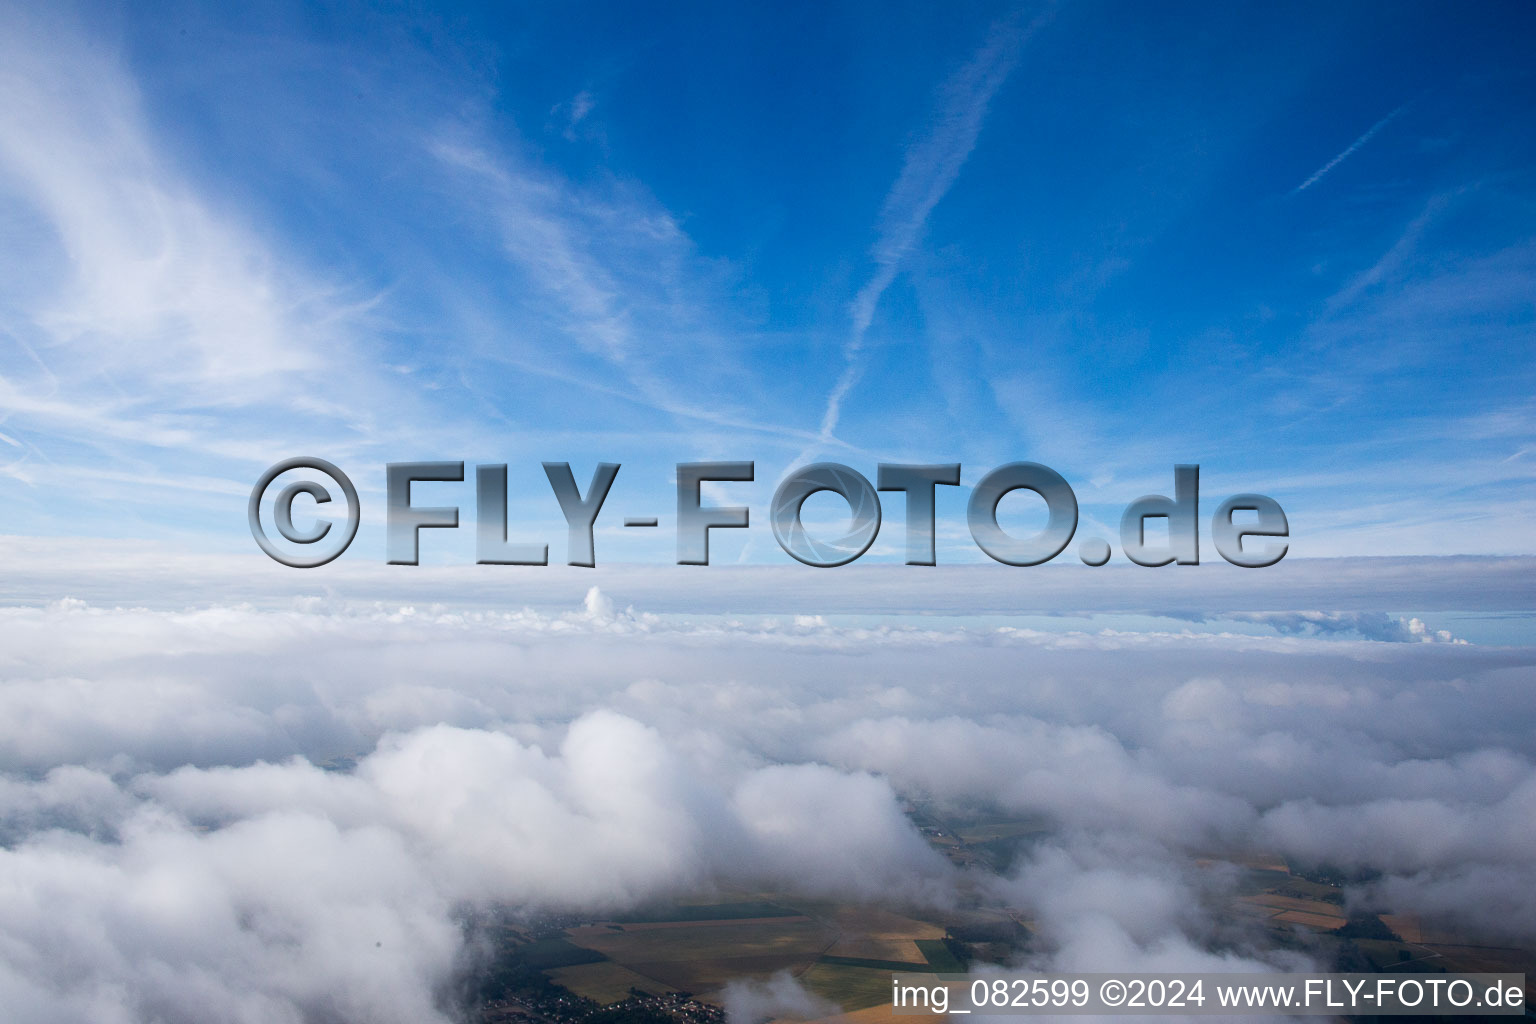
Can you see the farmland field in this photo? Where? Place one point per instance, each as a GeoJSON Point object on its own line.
{"type": "Point", "coordinates": [852, 988]}
{"type": "Point", "coordinates": [605, 982]}
{"type": "Point", "coordinates": [869, 933]}
{"type": "Point", "coordinates": [744, 910]}
{"type": "Point", "coordinates": [701, 956]}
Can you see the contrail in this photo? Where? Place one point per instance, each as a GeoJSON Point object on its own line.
{"type": "Point", "coordinates": [1362, 140]}
{"type": "Point", "coordinates": [930, 168]}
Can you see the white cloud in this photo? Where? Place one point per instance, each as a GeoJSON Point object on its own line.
{"type": "Point", "coordinates": [169, 841]}
{"type": "Point", "coordinates": [781, 996]}
{"type": "Point", "coordinates": [144, 280]}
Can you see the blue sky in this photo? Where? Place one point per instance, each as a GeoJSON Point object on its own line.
{"type": "Point", "coordinates": [1295, 245]}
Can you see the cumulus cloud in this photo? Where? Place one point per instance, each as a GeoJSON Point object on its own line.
{"type": "Point", "coordinates": [1113, 903]}
{"type": "Point", "coordinates": [284, 917]}
{"type": "Point", "coordinates": [287, 892]}
{"type": "Point", "coordinates": [752, 1002]}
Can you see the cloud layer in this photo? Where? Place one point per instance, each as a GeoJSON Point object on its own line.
{"type": "Point", "coordinates": [172, 842]}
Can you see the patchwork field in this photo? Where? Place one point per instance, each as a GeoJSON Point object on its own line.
{"type": "Point", "coordinates": [868, 933]}
{"type": "Point", "coordinates": [1309, 913]}
{"type": "Point", "coordinates": [701, 956]}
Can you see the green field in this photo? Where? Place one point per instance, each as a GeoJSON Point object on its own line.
{"type": "Point", "coordinates": [940, 959]}
{"type": "Point", "coordinates": [852, 988]}
{"type": "Point", "coordinates": [545, 954]}
{"type": "Point", "coordinates": [874, 965]}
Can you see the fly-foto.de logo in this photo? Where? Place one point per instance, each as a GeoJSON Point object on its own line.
{"type": "Point", "coordinates": [1249, 530]}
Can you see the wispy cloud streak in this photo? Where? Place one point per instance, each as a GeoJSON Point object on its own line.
{"type": "Point", "coordinates": [930, 169]}
{"type": "Point", "coordinates": [1349, 151]}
